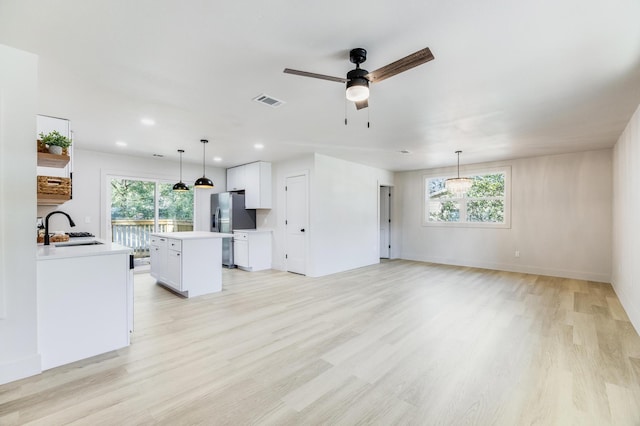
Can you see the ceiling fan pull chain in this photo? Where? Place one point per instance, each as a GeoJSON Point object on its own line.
{"type": "Point", "coordinates": [368, 117]}
{"type": "Point", "coordinates": [345, 112]}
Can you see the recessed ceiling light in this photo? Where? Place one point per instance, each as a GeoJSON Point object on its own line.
{"type": "Point", "coordinates": [148, 121]}
{"type": "Point", "coordinates": [121, 143]}
{"type": "Point", "coordinates": [258, 146]}
{"type": "Point", "coordinates": [217, 159]}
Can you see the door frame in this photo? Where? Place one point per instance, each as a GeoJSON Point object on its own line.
{"type": "Point", "coordinates": [105, 220]}
{"type": "Point", "coordinates": [378, 187]}
{"type": "Point", "coordinates": [380, 203]}
{"type": "Point", "coordinates": [308, 231]}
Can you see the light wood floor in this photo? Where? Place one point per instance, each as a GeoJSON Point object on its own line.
{"type": "Point", "coordinates": [396, 343]}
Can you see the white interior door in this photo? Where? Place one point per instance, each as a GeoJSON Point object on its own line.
{"type": "Point", "coordinates": [296, 223]}
{"type": "Point", "coordinates": [385, 222]}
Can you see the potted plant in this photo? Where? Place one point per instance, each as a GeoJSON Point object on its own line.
{"type": "Point", "coordinates": [55, 142]}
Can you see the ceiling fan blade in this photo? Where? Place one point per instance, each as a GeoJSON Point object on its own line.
{"type": "Point", "coordinates": [314, 75]}
{"type": "Point", "coordinates": [401, 65]}
{"type": "Point", "coordinates": [362, 104]}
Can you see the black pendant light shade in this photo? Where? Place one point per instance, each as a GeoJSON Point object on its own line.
{"type": "Point", "coordinates": [203, 182]}
{"type": "Point", "coordinates": [180, 186]}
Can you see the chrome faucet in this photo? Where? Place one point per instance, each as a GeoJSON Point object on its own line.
{"type": "Point", "coordinates": [46, 225]}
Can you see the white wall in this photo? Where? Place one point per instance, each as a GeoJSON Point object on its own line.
{"type": "Point", "coordinates": [89, 191]}
{"type": "Point", "coordinates": [626, 226]}
{"type": "Point", "coordinates": [18, 311]}
{"type": "Point", "coordinates": [344, 212]}
{"type": "Point", "coordinates": [560, 223]}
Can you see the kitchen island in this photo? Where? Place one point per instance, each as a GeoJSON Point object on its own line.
{"type": "Point", "coordinates": [188, 263]}
{"type": "Point", "coordinates": [85, 300]}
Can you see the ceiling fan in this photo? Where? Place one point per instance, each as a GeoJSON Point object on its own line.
{"type": "Point", "coordinates": [358, 79]}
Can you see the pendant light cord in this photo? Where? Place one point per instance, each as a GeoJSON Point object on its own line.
{"type": "Point", "coordinates": [181, 151]}
{"type": "Point", "coordinates": [204, 145]}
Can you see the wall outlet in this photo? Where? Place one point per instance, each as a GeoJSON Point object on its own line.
{"type": "Point", "coordinates": [87, 219]}
{"type": "Point", "coordinates": [517, 253]}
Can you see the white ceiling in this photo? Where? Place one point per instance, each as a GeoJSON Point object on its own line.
{"type": "Point", "coordinates": [510, 79]}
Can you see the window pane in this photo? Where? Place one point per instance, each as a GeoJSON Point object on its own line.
{"type": "Point", "coordinates": [485, 211]}
{"type": "Point", "coordinates": [132, 199]}
{"type": "Point", "coordinates": [487, 186]}
{"type": "Point", "coordinates": [175, 209]}
{"type": "Point", "coordinates": [436, 188]}
{"type": "Point", "coordinates": [132, 214]}
{"type": "Point", "coordinates": [444, 211]}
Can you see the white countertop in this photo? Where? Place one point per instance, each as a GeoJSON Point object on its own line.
{"type": "Point", "coordinates": [192, 235]}
{"type": "Point", "coordinates": [59, 252]}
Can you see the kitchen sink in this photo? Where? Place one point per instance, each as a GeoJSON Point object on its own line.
{"type": "Point", "coordinates": [78, 243]}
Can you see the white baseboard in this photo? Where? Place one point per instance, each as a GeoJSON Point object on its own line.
{"type": "Point", "coordinates": [19, 369]}
{"type": "Point", "coordinates": [524, 269]}
{"type": "Point", "coordinates": [632, 310]}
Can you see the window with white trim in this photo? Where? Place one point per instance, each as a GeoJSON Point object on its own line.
{"type": "Point", "coordinates": [486, 204]}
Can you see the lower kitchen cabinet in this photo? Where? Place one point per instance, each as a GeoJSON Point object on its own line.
{"type": "Point", "coordinates": [252, 249]}
{"type": "Point", "coordinates": [189, 263]}
{"type": "Point", "coordinates": [174, 269]}
{"type": "Point", "coordinates": [158, 257]}
{"type": "Point", "coordinates": [85, 301]}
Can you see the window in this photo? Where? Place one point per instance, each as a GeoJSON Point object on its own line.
{"type": "Point", "coordinates": [139, 207]}
{"type": "Point", "coordinates": [486, 204]}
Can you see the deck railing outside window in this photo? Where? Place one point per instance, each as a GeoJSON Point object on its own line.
{"type": "Point", "coordinates": [135, 233]}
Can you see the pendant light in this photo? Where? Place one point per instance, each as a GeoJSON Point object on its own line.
{"type": "Point", "coordinates": [203, 182]}
{"type": "Point", "coordinates": [180, 186]}
{"type": "Point", "coordinates": [458, 185]}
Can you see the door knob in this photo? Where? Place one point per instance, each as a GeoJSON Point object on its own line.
{"type": "Point", "coordinates": [302, 230]}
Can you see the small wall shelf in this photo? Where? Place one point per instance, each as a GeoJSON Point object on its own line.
{"type": "Point", "coordinates": [52, 160]}
{"type": "Point", "coordinates": [52, 199]}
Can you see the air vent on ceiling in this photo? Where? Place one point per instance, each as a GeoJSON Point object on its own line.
{"type": "Point", "coordinates": [268, 100]}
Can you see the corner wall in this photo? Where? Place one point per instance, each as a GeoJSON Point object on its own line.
{"type": "Point", "coordinates": [626, 226]}
{"type": "Point", "coordinates": [343, 213]}
{"type": "Point", "coordinates": [560, 220]}
{"type": "Point", "coordinates": [18, 304]}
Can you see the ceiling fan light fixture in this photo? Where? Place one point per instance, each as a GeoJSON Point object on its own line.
{"type": "Point", "coordinates": [358, 89]}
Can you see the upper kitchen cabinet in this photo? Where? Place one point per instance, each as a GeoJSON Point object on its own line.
{"type": "Point", "coordinates": [236, 179]}
{"type": "Point", "coordinates": [54, 171]}
{"type": "Point", "coordinates": [255, 180]}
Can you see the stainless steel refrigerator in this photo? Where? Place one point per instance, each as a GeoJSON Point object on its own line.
{"type": "Point", "coordinates": [228, 213]}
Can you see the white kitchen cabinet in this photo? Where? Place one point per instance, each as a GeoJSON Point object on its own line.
{"type": "Point", "coordinates": [189, 263]}
{"type": "Point", "coordinates": [236, 178]}
{"type": "Point", "coordinates": [85, 301]}
{"type": "Point", "coordinates": [255, 180]}
{"type": "Point", "coordinates": [252, 249]}
{"type": "Point", "coordinates": [174, 269]}
{"type": "Point", "coordinates": [158, 257]}
{"type": "Point", "coordinates": [240, 252]}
